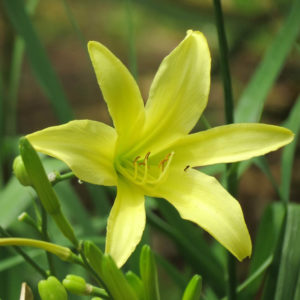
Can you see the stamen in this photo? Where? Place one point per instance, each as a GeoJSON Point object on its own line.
{"type": "Point", "coordinates": [162, 163]}
{"type": "Point", "coordinates": [167, 159]}
{"type": "Point", "coordinates": [135, 167]}
{"type": "Point", "coordinates": [142, 175]}
{"type": "Point", "coordinates": [145, 163]}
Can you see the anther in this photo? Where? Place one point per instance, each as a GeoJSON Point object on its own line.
{"type": "Point", "coordinates": [136, 159]}
{"type": "Point", "coordinates": [145, 159]}
{"type": "Point", "coordinates": [162, 163]}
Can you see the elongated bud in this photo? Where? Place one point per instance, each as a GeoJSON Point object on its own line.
{"type": "Point", "coordinates": [38, 177]}
{"type": "Point", "coordinates": [20, 171]}
{"type": "Point", "coordinates": [148, 272]}
{"type": "Point", "coordinates": [24, 217]}
{"type": "Point", "coordinates": [44, 189]}
{"type": "Point", "coordinates": [63, 253]}
{"type": "Point", "coordinates": [193, 289]}
{"type": "Point", "coordinates": [136, 283]}
{"type": "Point", "coordinates": [51, 289]}
{"type": "Point", "coordinates": [108, 271]}
{"type": "Point", "coordinates": [115, 280]}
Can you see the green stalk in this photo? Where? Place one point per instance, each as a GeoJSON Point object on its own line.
{"type": "Point", "coordinates": [57, 177]}
{"type": "Point", "coordinates": [45, 237]}
{"type": "Point", "coordinates": [229, 117]}
{"type": "Point", "coordinates": [26, 257]}
{"type": "Point", "coordinates": [229, 107]}
{"type": "Point", "coordinates": [63, 253]}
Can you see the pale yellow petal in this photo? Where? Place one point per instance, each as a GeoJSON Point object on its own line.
{"type": "Point", "coordinates": [179, 92]}
{"type": "Point", "coordinates": [229, 143]}
{"type": "Point", "coordinates": [201, 199]}
{"type": "Point", "coordinates": [87, 147]}
{"type": "Point", "coordinates": [119, 90]}
{"type": "Point", "coordinates": [126, 222]}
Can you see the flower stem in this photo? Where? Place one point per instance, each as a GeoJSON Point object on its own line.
{"type": "Point", "coordinates": [224, 62]}
{"type": "Point", "coordinates": [56, 177]}
{"type": "Point", "coordinates": [45, 237]}
{"type": "Point", "coordinates": [231, 178]}
{"type": "Point", "coordinates": [26, 257]}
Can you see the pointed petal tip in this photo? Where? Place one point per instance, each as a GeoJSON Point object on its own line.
{"type": "Point", "coordinates": [91, 44]}
{"type": "Point", "coordinates": [196, 34]}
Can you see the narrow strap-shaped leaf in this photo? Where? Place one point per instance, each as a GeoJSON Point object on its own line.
{"type": "Point", "coordinates": [14, 76]}
{"type": "Point", "coordinates": [193, 289]}
{"type": "Point", "coordinates": [288, 277]}
{"type": "Point", "coordinates": [289, 151]}
{"type": "Point", "coordinates": [75, 26]}
{"type": "Point", "coordinates": [38, 59]}
{"type": "Point", "coordinates": [176, 275]}
{"type": "Point", "coordinates": [267, 239]}
{"type": "Point", "coordinates": [2, 97]}
{"type": "Point", "coordinates": [192, 245]}
{"type": "Point", "coordinates": [116, 281]}
{"type": "Point", "coordinates": [251, 103]}
{"type": "Point", "coordinates": [148, 272]}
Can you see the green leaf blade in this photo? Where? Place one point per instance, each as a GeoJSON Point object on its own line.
{"type": "Point", "coordinates": [251, 103]}
{"type": "Point", "coordinates": [38, 59]}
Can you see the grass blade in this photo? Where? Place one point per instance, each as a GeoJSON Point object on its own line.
{"type": "Point", "coordinates": [2, 99]}
{"type": "Point", "coordinates": [38, 59]}
{"type": "Point", "coordinates": [251, 103]}
{"type": "Point", "coordinates": [14, 76]}
{"type": "Point", "coordinates": [267, 239]}
{"type": "Point", "coordinates": [288, 276]}
{"type": "Point", "coordinates": [191, 244]}
{"type": "Point", "coordinates": [289, 151]}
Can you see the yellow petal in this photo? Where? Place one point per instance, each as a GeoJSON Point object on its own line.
{"type": "Point", "coordinates": [229, 143]}
{"type": "Point", "coordinates": [126, 222]}
{"type": "Point", "coordinates": [201, 199]}
{"type": "Point", "coordinates": [179, 92]}
{"type": "Point", "coordinates": [87, 147]}
{"type": "Point", "coordinates": [119, 90]}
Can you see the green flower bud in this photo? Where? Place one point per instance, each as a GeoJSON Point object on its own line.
{"type": "Point", "coordinates": [148, 273]}
{"type": "Point", "coordinates": [52, 289]}
{"type": "Point", "coordinates": [20, 171]}
{"type": "Point", "coordinates": [193, 289]}
{"type": "Point", "coordinates": [136, 284]}
{"type": "Point", "coordinates": [76, 285]}
{"type": "Point", "coordinates": [44, 189]}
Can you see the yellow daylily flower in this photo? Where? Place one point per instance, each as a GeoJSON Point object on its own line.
{"type": "Point", "coordinates": [150, 151]}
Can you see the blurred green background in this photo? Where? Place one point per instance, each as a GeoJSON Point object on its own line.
{"type": "Point", "coordinates": [141, 33]}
